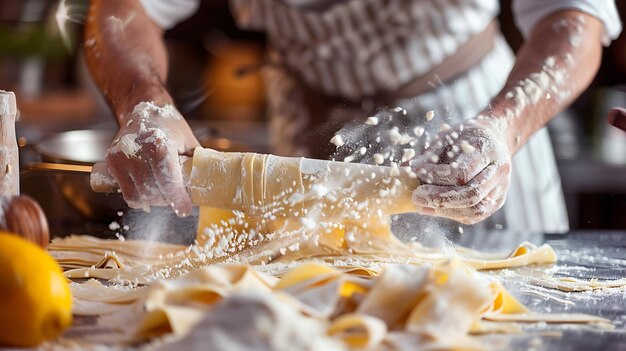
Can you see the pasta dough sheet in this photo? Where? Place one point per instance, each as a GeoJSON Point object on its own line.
{"type": "Point", "coordinates": [269, 185]}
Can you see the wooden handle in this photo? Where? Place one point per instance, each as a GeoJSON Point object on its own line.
{"type": "Point", "coordinates": [9, 161]}
{"type": "Point", "coordinates": [58, 168]}
{"type": "Point", "coordinates": [19, 214]}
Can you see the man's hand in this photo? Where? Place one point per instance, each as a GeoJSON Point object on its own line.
{"type": "Point", "coordinates": [550, 71]}
{"type": "Point", "coordinates": [465, 172]}
{"type": "Point", "coordinates": [144, 157]}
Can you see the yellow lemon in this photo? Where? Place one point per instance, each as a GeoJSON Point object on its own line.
{"type": "Point", "coordinates": [35, 299]}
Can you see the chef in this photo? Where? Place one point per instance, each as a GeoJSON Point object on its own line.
{"type": "Point", "coordinates": [441, 67]}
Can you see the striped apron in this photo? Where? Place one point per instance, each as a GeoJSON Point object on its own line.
{"type": "Point", "coordinates": [327, 58]}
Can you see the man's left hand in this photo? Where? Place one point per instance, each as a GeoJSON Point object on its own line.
{"type": "Point", "coordinates": [465, 172]}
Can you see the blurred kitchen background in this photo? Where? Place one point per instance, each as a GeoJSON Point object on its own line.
{"type": "Point", "coordinates": [214, 81]}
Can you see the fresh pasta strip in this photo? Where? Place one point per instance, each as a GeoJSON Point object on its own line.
{"type": "Point", "coordinates": [395, 293]}
{"type": "Point", "coordinates": [166, 320]}
{"type": "Point", "coordinates": [523, 255]}
{"type": "Point", "coordinates": [305, 273]}
{"type": "Point", "coordinates": [503, 302]}
{"type": "Point", "coordinates": [571, 284]}
{"type": "Point", "coordinates": [358, 331]}
{"type": "Point", "coordinates": [547, 318]}
{"type": "Point", "coordinates": [94, 290]}
{"type": "Point", "coordinates": [455, 301]}
{"type": "Point", "coordinates": [320, 289]}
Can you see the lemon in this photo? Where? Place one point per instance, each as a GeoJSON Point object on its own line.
{"type": "Point", "coordinates": [35, 299]}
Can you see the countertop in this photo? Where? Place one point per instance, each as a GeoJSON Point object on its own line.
{"type": "Point", "coordinates": [584, 255]}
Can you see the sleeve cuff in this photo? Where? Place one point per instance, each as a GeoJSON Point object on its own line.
{"type": "Point", "coordinates": [529, 12]}
{"type": "Point", "coordinates": [168, 13]}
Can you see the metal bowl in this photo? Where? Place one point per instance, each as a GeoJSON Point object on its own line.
{"type": "Point", "coordinates": [81, 147]}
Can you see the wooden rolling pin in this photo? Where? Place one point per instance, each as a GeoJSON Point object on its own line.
{"type": "Point", "coordinates": [19, 214]}
{"type": "Point", "coordinates": [260, 184]}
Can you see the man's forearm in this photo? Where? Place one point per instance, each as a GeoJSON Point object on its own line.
{"type": "Point", "coordinates": [554, 66]}
{"type": "Point", "coordinates": [125, 54]}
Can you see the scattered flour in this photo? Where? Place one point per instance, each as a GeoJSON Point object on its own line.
{"type": "Point", "coordinates": [546, 83]}
{"type": "Point", "coordinates": [372, 121]}
{"type": "Point", "coordinates": [398, 138]}
{"type": "Point", "coordinates": [338, 140]}
{"type": "Point", "coordinates": [419, 131]}
{"type": "Point", "coordinates": [466, 147]}
{"type": "Point", "coordinates": [430, 115]}
{"type": "Point", "coordinates": [379, 159]}
{"type": "Point", "coordinates": [407, 154]}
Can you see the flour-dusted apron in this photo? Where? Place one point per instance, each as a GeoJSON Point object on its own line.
{"type": "Point", "coordinates": [328, 66]}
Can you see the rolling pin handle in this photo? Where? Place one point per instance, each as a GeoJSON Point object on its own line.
{"type": "Point", "coordinates": [19, 214]}
{"type": "Point", "coordinates": [101, 180]}
{"type": "Point", "coordinates": [9, 159]}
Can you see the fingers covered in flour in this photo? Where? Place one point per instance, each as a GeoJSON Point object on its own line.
{"type": "Point", "coordinates": [169, 178]}
{"type": "Point", "coordinates": [124, 180]}
{"type": "Point", "coordinates": [490, 203]}
{"type": "Point", "coordinates": [458, 171]}
{"type": "Point", "coordinates": [458, 154]}
{"type": "Point", "coordinates": [446, 196]}
{"type": "Point", "coordinates": [144, 158]}
{"type": "Point", "coordinates": [464, 173]}
{"type": "Point", "coordinates": [135, 179]}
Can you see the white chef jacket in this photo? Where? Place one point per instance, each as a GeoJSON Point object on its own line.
{"type": "Point", "coordinates": [167, 13]}
{"type": "Point", "coordinates": [375, 41]}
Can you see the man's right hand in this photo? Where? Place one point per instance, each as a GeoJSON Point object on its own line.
{"type": "Point", "coordinates": [465, 172]}
{"type": "Point", "coordinates": [144, 157]}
